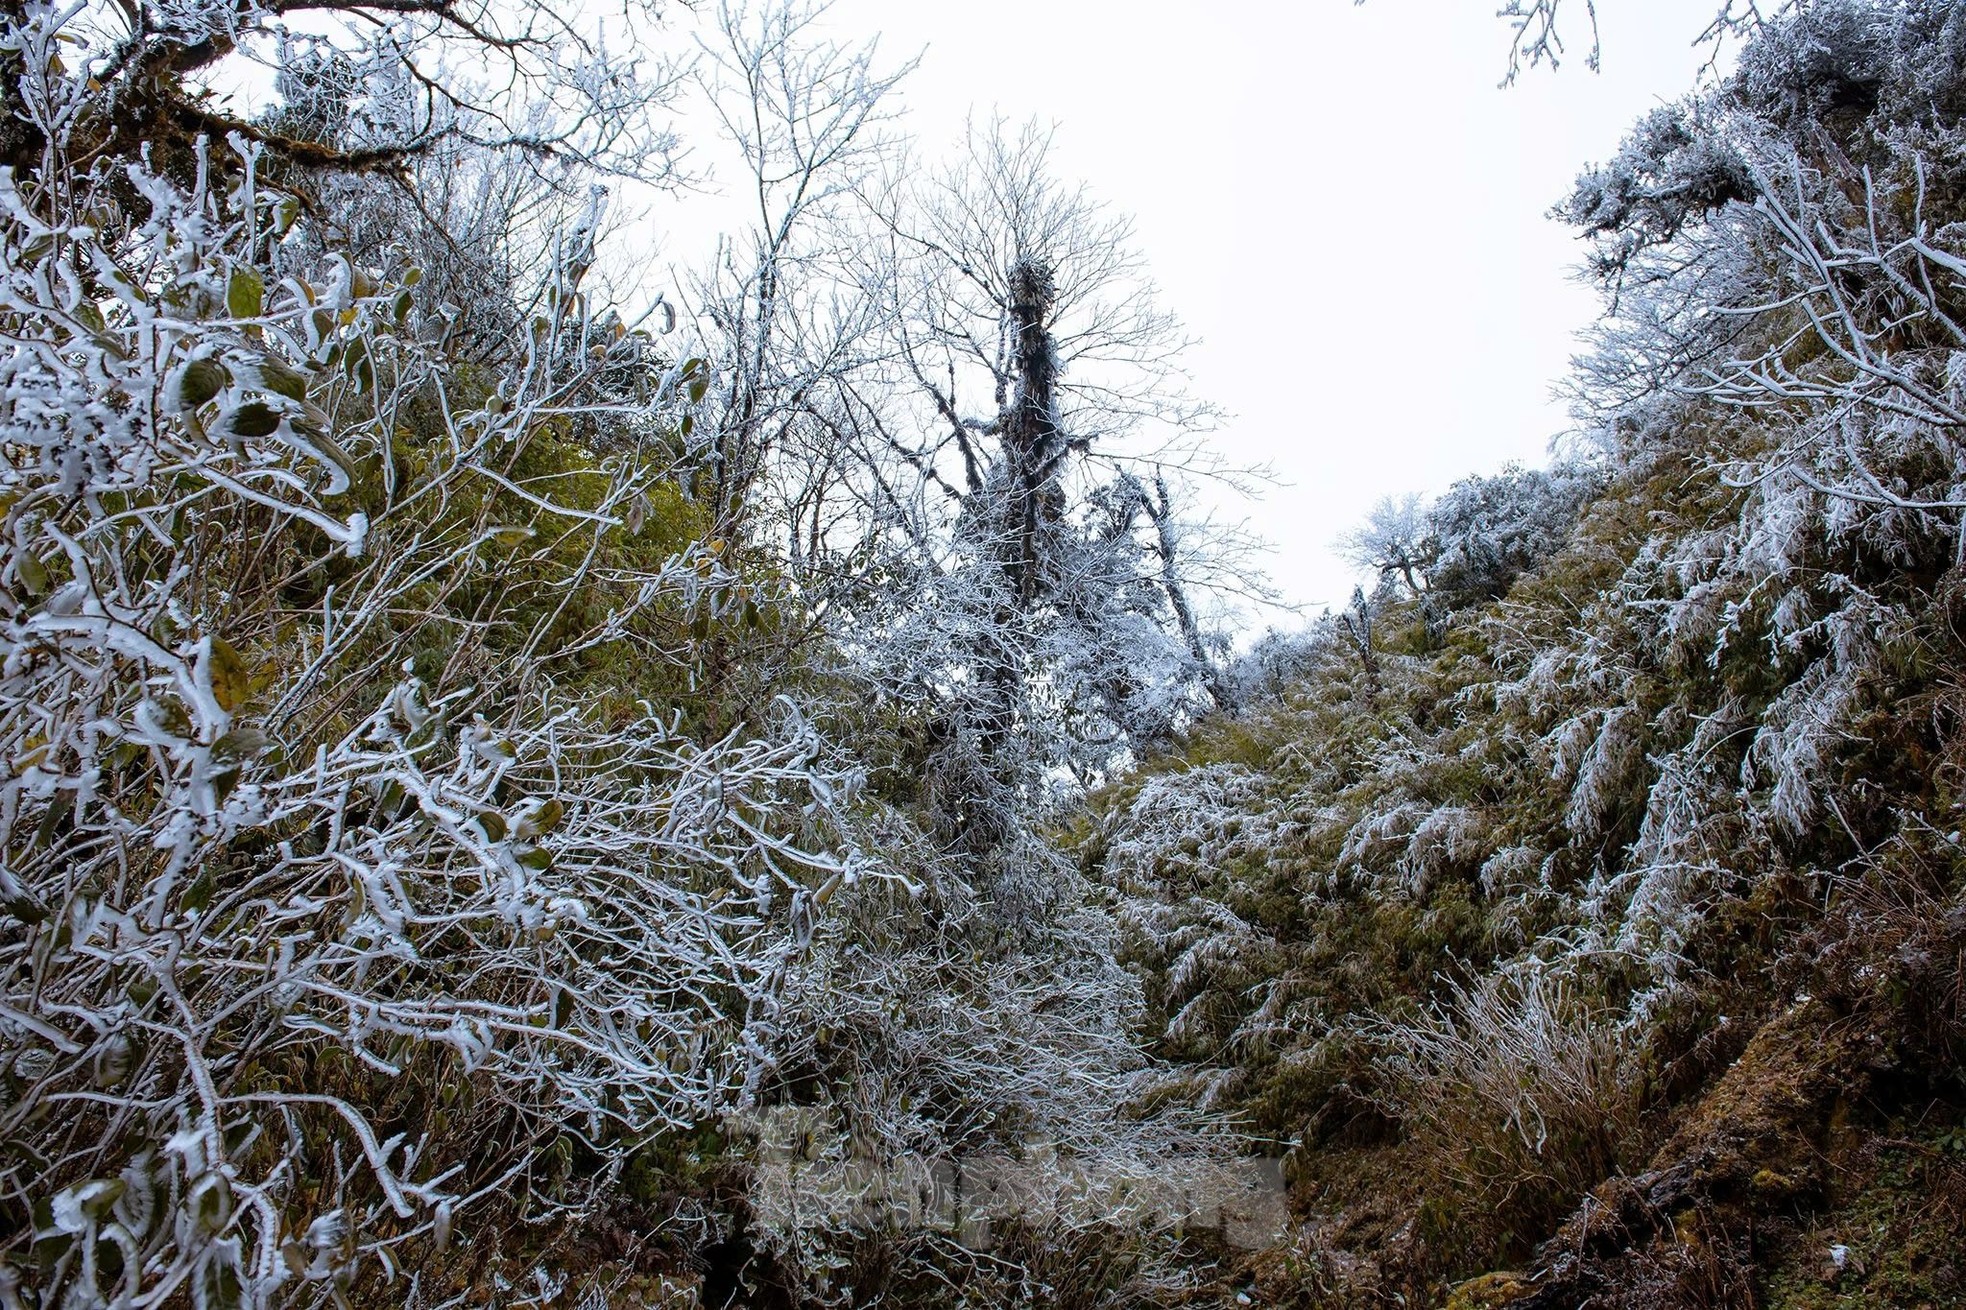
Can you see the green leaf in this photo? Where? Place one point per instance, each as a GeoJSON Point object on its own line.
{"type": "Point", "coordinates": [426, 734]}
{"type": "Point", "coordinates": [311, 427]}
{"type": "Point", "coordinates": [224, 783]}
{"type": "Point", "coordinates": [33, 574]}
{"type": "Point", "coordinates": [61, 806]}
{"type": "Point", "coordinates": [492, 824]}
{"type": "Point", "coordinates": [539, 819]}
{"type": "Point", "coordinates": [253, 419]}
{"type": "Point", "coordinates": [99, 1196]}
{"type": "Point", "coordinates": [389, 803]}
{"type": "Point", "coordinates": [501, 751]}
{"type": "Point", "coordinates": [356, 363]}
{"type": "Point", "coordinates": [201, 380]}
{"type": "Point", "coordinates": [50, 1246]}
{"type": "Point", "coordinates": [211, 1202]}
{"type": "Point", "coordinates": [231, 682]}
{"type": "Point", "coordinates": [240, 744]}
{"type": "Point", "coordinates": [199, 894]}
{"type": "Point", "coordinates": [277, 377]}
{"type": "Point", "coordinates": [245, 292]}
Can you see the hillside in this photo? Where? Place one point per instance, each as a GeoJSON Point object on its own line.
{"type": "Point", "coordinates": [1587, 901]}
{"type": "Point", "coordinates": [528, 788]}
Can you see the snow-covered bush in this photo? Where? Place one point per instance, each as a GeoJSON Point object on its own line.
{"type": "Point", "coordinates": [1469, 546]}
{"type": "Point", "coordinates": [1485, 532]}
{"type": "Point", "coordinates": [1576, 835]}
{"type": "Point", "coordinates": [334, 901]}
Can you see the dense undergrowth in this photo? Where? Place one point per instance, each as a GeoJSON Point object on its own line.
{"type": "Point", "coordinates": [486, 783]}
{"type": "Point", "coordinates": [1605, 920]}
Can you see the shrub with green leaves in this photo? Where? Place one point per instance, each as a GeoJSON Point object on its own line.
{"type": "Point", "coordinates": [333, 901]}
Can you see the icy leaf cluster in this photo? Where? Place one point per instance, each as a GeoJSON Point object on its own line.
{"type": "Point", "coordinates": [269, 863]}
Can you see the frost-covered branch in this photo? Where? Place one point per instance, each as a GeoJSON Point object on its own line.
{"type": "Point", "coordinates": [302, 789]}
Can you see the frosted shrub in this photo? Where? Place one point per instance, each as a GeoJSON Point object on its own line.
{"type": "Point", "coordinates": [1517, 1085]}
{"type": "Point", "coordinates": [317, 929]}
{"type": "Point", "coordinates": [1605, 775]}
{"type": "Point", "coordinates": [1487, 531]}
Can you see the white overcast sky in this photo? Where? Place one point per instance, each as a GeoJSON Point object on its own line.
{"type": "Point", "coordinates": [1339, 201]}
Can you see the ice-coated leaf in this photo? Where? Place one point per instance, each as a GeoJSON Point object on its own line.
{"type": "Point", "coordinates": [33, 574]}
{"type": "Point", "coordinates": [199, 382]}
{"type": "Point", "coordinates": [245, 292]}
{"type": "Point", "coordinates": [239, 743]}
{"type": "Point", "coordinates": [231, 680]}
{"type": "Point", "coordinates": [255, 418]}
{"type": "Point", "coordinates": [538, 818]}
{"type": "Point", "coordinates": [276, 376]}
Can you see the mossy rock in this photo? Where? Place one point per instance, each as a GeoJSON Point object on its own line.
{"type": "Point", "coordinates": [1490, 1291]}
{"type": "Point", "coordinates": [1761, 1127]}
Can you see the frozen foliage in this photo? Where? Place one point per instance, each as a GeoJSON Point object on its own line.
{"type": "Point", "coordinates": [268, 852]}
{"type": "Point", "coordinates": [1391, 542]}
{"type": "Point", "coordinates": [1684, 683]}
{"type": "Point", "coordinates": [371, 87]}
{"type": "Point", "coordinates": [921, 390]}
{"type": "Point", "coordinates": [1527, 1060]}
{"type": "Point", "coordinates": [1484, 533]}
{"type": "Point", "coordinates": [1470, 545]}
{"type": "Point", "coordinates": [1546, 31]}
{"type": "Point", "coordinates": [934, 378]}
{"type": "Point", "coordinates": [421, 686]}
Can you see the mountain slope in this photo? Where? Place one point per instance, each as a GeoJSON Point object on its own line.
{"type": "Point", "coordinates": [1612, 929]}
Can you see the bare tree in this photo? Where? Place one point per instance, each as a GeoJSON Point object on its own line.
{"type": "Point", "coordinates": [559, 84]}
{"type": "Point", "coordinates": [1031, 339]}
{"type": "Point", "coordinates": [795, 338]}
{"type": "Point", "coordinates": [932, 381]}
{"type": "Point", "coordinates": [1392, 542]}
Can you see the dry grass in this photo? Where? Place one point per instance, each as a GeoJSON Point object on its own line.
{"type": "Point", "coordinates": [1519, 1092]}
